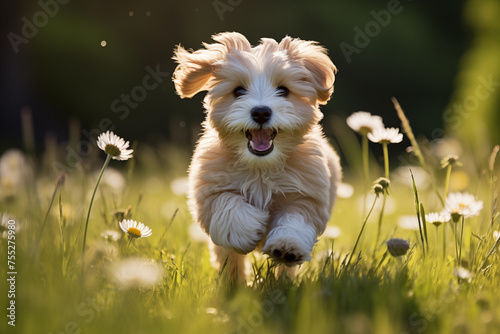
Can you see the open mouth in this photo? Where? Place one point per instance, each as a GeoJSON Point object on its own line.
{"type": "Point", "coordinates": [261, 141]}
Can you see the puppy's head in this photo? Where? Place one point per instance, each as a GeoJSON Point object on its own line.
{"type": "Point", "coordinates": [261, 100]}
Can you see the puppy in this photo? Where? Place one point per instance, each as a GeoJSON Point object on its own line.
{"type": "Point", "coordinates": [262, 174]}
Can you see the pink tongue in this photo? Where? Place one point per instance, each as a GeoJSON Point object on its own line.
{"type": "Point", "coordinates": [261, 139]}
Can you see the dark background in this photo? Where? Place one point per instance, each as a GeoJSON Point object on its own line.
{"type": "Point", "coordinates": [63, 73]}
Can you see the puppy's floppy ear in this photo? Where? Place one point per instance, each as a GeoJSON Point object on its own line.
{"type": "Point", "coordinates": [315, 59]}
{"type": "Point", "coordinates": [196, 68]}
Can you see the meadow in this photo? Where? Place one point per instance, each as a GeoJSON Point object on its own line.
{"type": "Point", "coordinates": [444, 280]}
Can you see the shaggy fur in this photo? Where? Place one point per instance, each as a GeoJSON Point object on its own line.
{"type": "Point", "coordinates": [260, 183]}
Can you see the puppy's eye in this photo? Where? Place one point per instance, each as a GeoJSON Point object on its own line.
{"type": "Point", "coordinates": [239, 91]}
{"type": "Point", "coordinates": [282, 91]}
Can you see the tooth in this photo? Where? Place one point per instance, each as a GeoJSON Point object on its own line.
{"type": "Point", "coordinates": [251, 144]}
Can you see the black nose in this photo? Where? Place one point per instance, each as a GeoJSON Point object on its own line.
{"type": "Point", "coordinates": [261, 114]}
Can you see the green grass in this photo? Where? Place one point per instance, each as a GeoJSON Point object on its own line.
{"type": "Point", "coordinates": [375, 293]}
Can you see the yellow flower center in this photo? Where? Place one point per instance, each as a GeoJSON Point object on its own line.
{"type": "Point", "coordinates": [112, 150]}
{"type": "Point", "coordinates": [133, 232]}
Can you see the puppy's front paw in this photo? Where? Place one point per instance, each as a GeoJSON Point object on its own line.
{"type": "Point", "coordinates": [244, 240]}
{"type": "Point", "coordinates": [238, 226]}
{"type": "Point", "coordinates": [286, 249]}
{"type": "Point", "coordinates": [290, 245]}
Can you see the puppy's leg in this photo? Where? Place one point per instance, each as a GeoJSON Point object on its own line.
{"type": "Point", "coordinates": [233, 223]}
{"type": "Point", "coordinates": [296, 223]}
{"type": "Point", "coordinates": [232, 263]}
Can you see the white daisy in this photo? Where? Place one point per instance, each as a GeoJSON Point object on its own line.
{"type": "Point", "coordinates": [137, 273]}
{"type": "Point", "coordinates": [402, 175]}
{"type": "Point", "coordinates": [115, 146]}
{"type": "Point", "coordinates": [7, 220]}
{"type": "Point", "coordinates": [364, 122]}
{"type": "Point", "coordinates": [332, 232]}
{"type": "Point", "coordinates": [197, 234]}
{"type": "Point", "coordinates": [14, 171]}
{"type": "Point", "coordinates": [111, 235]}
{"type": "Point", "coordinates": [179, 186]}
{"type": "Point", "coordinates": [114, 180]}
{"type": "Point", "coordinates": [397, 247]}
{"type": "Point", "coordinates": [344, 190]}
{"type": "Point", "coordinates": [462, 204]}
{"type": "Point", "coordinates": [463, 273]}
{"type": "Point", "coordinates": [409, 222]}
{"type": "Point", "coordinates": [134, 229]}
{"type": "Point", "coordinates": [386, 135]}
{"type": "Point", "coordinates": [437, 218]}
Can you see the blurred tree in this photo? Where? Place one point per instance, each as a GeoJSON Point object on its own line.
{"type": "Point", "coordinates": [474, 110]}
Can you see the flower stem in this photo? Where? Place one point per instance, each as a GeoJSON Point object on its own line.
{"type": "Point", "coordinates": [418, 153]}
{"type": "Point", "coordinates": [130, 239]}
{"type": "Point", "coordinates": [108, 158]}
{"type": "Point", "coordinates": [444, 241]}
{"type": "Point", "coordinates": [386, 160]}
{"type": "Point", "coordinates": [490, 252]}
{"type": "Point", "coordinates": [60, 181]}
{"type": "Point", "coordinates": [446, 183]}
{"type": "Point", "coordinates": [456, 240]}
{"type": "Point", "coordinates": [437, 240]}
{"type": "Point", "coordinates": [379, 227]}
{"type": "Point", "coordinates": [381, 216]}
{"type": "Point", "coordinates": [362, 228]}
{"type": "Point", "coordinates": [366, 169]}
{"type": "Point", "coordinates": [461, 241]}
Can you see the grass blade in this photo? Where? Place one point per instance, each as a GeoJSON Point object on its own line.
{"type": "Point", "coordinates": [417, 205]}
{"type": "Point", "coordinates": [424, 223]}
{"type": "Point", "coordinates": [416, 148]}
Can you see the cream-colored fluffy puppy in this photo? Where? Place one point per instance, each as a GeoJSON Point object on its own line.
{"type": "Point", "coordinates": [262, 173]}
